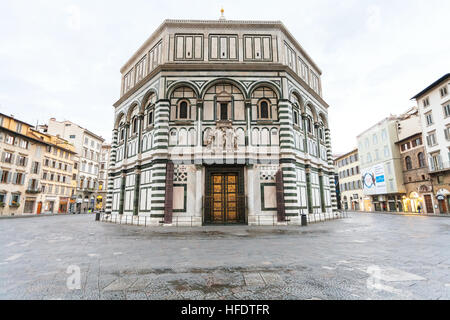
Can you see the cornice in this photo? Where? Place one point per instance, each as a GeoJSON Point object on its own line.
{"type": "Point", "coordinates": [263, 67]}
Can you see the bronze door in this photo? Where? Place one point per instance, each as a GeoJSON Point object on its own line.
{"type": "Point", "coordinates": [224, 198]}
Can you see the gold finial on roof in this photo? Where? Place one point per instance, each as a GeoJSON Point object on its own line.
{"type": "Point", "coordinates": [222, 17]}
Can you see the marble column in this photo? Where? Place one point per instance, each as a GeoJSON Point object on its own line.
{"type": "Point", "coordinates": [322, 195]}
{"type": "Point", "coordinates": [248, 134]}
{"type": "Point", "coordinates": [136, 192]}
{"type": "Point", "coordinates": [250, 192]}
{"type": "Point", "coordinates": [112, 163]}
{"type": "Point", "coordinates": [122, 193]}
{"type": "Point", "coordinates": [199, 123]}
{"type": "Point", "coordinates": [140, 123]}
{"type": "Point", "coordinates": [198, 191]}
{"type": "Point", "coordinates": [309, 190]}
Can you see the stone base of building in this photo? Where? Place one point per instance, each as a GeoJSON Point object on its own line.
{"type": "Point", "coordinates": [192, 221]}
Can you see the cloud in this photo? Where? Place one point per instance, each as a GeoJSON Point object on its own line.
{"type": "Point", "coordinates": [61, 58]}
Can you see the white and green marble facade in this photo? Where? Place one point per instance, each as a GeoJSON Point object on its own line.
{"type": "Point", "coordinates": [204, 63]}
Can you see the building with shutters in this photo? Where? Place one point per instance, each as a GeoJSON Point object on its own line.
{"type": "Point", "coordinates": [418, 196]}
{"type": "Point", "coordinates": [351, 191]}
{"type": "Point", "coordinates": [433, 103]}
{"type": "Point", "coordinates": [103, 177]}
{"type": "Point", "coordinates": [58, 158]}
{"type": "Point", "coordinates": [88, 148]}
{"type": "Point", "coordinates": [220, 122]}
{"type": "Point", "coordinates": [381, 167]}
{"type": "Point", "coordinates": [20, 164]}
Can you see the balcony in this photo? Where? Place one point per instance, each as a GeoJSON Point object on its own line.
{"type": "Point", "coordinates": [33, 191]}
{"type": "Point", "coordinates": [439, 167]}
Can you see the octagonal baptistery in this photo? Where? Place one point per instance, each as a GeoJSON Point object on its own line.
{"type": "Point", "coordinates": [220, 122]}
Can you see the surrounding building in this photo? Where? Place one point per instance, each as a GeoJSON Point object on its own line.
{"type": "Point", "coordinates": [381, 166]}
{"type": "Point", "coordinates": [88, 148]}
{"type": "Point", "coordinates": [433, 103]}
{"type": "Point", "coordinates": [103, 177]}
{"type": "Point", "coordinates": [20, 166]}
{"type": "Point", "coordinates": [418, 185]}
{"type": "Point", "coordinates": [221, 122]}
{"type": "Point", "coordinates": [35, 170]}
{"type": "Point", "coordinates": [57, 172]}
{"type": "Point", "coordinates": [349, 175]}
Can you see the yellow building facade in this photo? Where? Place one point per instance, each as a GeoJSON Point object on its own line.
{"type": "Point", "coordinates": [57, 174]}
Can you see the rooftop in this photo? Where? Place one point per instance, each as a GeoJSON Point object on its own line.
{"type": "Point", "coordinates": [432, 86]}
{"type": "Point", "coordinates": [218, 23]}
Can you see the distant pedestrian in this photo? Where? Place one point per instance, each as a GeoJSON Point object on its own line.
{"type": "Point", "coordinates": [419, 208]}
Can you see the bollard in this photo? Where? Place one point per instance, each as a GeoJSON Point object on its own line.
{"type": "Point", "coordinates": [97, 216]}
{"type": "Point", "coordinates": [304, 220]}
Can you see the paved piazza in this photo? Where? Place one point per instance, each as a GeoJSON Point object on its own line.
{"type": "Point", "coordinates": [362, 257]}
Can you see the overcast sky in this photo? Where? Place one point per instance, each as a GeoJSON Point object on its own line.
{"type": "Point", "coordinates": [61, 58]}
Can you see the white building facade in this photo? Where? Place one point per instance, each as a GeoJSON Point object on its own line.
{"type": "Point", "coordinates": [220, 122]}
{"type": "Point", "coordinates": [88, 147]}
{"type": "Point", "coordinates": [381, 166]}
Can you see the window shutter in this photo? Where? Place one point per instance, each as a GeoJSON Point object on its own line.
{"type": "Point", "coordinates": [9, 177]}
{"type": "Point", "coordinates": [3, 156]}
{"type": "Point", "coordinates": [440, 161]}
{"type": "Point", "coordinates": [26, 162]}
{"type": "Point", "coordinates": [23, 179]}
{"type": "Point", "coordinates": [29, 184]}
{"type": "Point", "coordinates": [15, 178]}
{"type": "Point", "coordinates": [1, 175]}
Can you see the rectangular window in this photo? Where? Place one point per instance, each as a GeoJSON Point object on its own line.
{"type": "Point", "coordinates": [447, 110]}
{"type": "Point", "coordinates": [431, 139]}
{"type": "Point", "coordinates": [426, 102]}
{"type": "Point", "coordinates": [224, 111]}
{"type": "Point", "coordinates": [447, 133]}
{"type": "Point", "coordinates": [23, 144]}
{"type": "Point", "coordinates": [15, 199]}
{"type": "Point", "coordinates": [21, 161]}
{"type": "Point", "coordinates": [429, 119]}
{"type": "Point", "coordinates": [9, 140]}
{"type": "Point", "coordinates": [443, 91]}
{"type": "Point", "coordinates": [5, 176]}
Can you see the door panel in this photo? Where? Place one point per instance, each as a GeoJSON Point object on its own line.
{"type": "Point", "coordinates": [224, 198]}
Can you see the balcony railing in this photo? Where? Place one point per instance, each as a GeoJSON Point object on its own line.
{"type": "Point", "coordinates": [437, 167]}
{"type": "Point", "coordinates": [33, 190]}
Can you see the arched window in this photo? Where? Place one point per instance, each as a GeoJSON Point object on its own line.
{"type": "Point", "coordinates": [135, 124]}
{"type": "Point", "coordinates": [183, 110]}
{"type": "Point", "coordinates": [408, 163]}
{"type": "Point", "coordinates": [308, 125]}
{"type": "Point", "coordinates": [150, 117]}
{"type": "Point", "coordinates": [122, 134]}
{"type": "Point", "coordinates": [421, 159]}
{"type": "Point", "coordinates": [295, 117]}
{"type": "Point", "coordinates": [264, 109]}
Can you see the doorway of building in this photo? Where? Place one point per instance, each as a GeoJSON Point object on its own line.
{"type": "Point", "coordinates": [224, 200]}
{"type": "Point", "coordinates": [428, 203]}
{"type": "Point", "coordinates": [442, 204]}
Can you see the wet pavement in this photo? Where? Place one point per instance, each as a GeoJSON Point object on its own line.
{"type": "Point", "coordinates": [366, 256]}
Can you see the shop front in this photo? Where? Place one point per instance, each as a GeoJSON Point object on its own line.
{"type": "Point", "coordinates": [63, 203]}
{"type": "Point", "coordinates": [443, 199]}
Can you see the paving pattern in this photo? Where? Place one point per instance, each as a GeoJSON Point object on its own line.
{"type": "Point", "coordinates": [366, 256]}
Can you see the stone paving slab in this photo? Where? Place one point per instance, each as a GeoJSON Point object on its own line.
{"type": "Point", "coordinates": [363, 257]}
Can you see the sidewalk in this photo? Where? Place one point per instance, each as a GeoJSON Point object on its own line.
{"type": "Point", "coordinates": [33, 215]}
{"type": "Point", "coordinates": [410, 214]}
